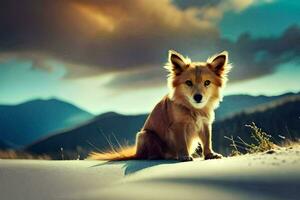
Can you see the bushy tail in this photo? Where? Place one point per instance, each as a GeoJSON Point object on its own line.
{"type": "Point", "coordinates": [123, 153]}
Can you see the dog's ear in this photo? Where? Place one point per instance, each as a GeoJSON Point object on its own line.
{"type": "Point", "coordinates": [219, 64]}
{"type": "Point", "coordinates": [176, 63]}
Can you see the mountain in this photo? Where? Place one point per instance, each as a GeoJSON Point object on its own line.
{"type": "Point", "coordinates": [233, 104]}
{"type": "Point", "coordinates": [24, 123]}
{"type": "Point", "coordinates": [99, 133]}
{"type": "Point", "coordinates": [104, 130]}
{"type": "Point", "coordinates": [3, 145]}
{"type": "Point", "coordinates": [278, 118]}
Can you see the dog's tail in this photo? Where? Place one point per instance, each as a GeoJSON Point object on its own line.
{"type": "Point", "coordinates": [123, 153]}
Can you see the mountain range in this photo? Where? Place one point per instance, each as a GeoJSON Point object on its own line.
{"type": "Point", "coordinates": [24, 123]}
{"type": "Point", "coordinates": [233, 104]}
{"type": "Point", "coordinates": [110, 129]}
{"type": "Point", "coordinates": [280, 119]}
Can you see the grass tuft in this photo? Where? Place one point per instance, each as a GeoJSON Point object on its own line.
{"type": "Point", "coordinates": [262, 142]}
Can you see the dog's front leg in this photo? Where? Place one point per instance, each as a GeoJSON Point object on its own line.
{"type": "Point", "coordinates": [180, 142]}
{"type": "Point", "coordinates": [183, 154]}
{"type": "Point", "coordinates": [205, 137]}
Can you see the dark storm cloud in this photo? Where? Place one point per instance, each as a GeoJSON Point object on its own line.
{"type": "Point", "coordinates": [251, 58]}
{"type": "Point", "coordinates": [105, 35]}
{"type": "Point", "coordinates": [131, 38]}
{"type": "Point", "coordinates": [139, 79]}
{"type": "Point", "coordinates": [255, 57]}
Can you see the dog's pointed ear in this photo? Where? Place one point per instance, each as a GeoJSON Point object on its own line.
{"type": "Point", "coordinates": [219, 63]}
{"type": "Point", "coordinates": [176, 62]}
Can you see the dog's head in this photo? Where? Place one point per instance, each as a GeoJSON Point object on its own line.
{"type": "Point", "coordinates": [197, 84]}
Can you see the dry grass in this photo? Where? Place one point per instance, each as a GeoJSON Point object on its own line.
{"type": "Point", "coordinates": [262, 142]}
{"type": "Point", "coordinates": [11, 154]}
{"type": "Point", "coordinates": [291, 143]}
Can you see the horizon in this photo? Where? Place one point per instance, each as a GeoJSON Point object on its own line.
{"type": "Point", "coordinates": [129, 113]}
{"type": "Point", "coordinates": [114, 61]}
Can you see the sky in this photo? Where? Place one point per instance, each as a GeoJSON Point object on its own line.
{"type": "Point", "coordinates": [109, 55]}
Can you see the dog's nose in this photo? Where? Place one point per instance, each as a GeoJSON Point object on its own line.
{"type": "Point", "coordinates": [198, 98]}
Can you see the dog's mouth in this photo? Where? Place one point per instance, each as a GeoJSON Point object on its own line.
{"type": "Point", "coordinates": [196, 104]}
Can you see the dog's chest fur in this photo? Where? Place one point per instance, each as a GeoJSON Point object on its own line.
{"type": "Point", "coordinates": [194, 121]}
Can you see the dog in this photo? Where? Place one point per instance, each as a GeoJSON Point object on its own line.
{"type": "Point", "coordinates": [184, 117]}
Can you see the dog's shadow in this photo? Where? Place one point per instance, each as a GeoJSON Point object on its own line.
{"type": "Point", "coordinates": [133, 166]}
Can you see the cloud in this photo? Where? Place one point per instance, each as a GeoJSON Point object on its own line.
{"type": "Point", "coordinates": [215, 9]}
{"type": "Point", "coordinates": [139, 79]}
{"type": "Point", "coordinates": [222, 5]}
{"type": "Point", "coordinates": [255, 57]}
{"type": "Point", "coordinates": [251, 58]}
{"type": "Point", "coordinates": [130, 39]}
{"type": "Point", "coordinates": [104, 35]}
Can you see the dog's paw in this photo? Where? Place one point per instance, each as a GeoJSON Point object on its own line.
{"type": "Point", "coordinates": [213, 156]}
{"type": "Point", "coordinates": [185, 158]}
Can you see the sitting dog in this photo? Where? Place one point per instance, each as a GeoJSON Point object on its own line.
{"type": "Point", "coordinates": [184, 117]}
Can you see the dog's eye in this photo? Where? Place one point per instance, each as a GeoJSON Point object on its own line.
{"type": "Point", "coordinates": [206, 83]}
{"type": "Point", "coordinates": [189, 83]}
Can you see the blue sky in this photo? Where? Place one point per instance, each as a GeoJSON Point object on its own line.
{"type": "Point", "coordinates": [130, 79]}
{"type": "Point", "coordinates": [267, 19]}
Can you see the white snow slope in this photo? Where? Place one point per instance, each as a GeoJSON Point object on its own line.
{"type": "Point", "coordinates": [261, 176]}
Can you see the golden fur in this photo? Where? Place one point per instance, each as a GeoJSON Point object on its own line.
{"type": "Point", "coordinates": [179, 121]}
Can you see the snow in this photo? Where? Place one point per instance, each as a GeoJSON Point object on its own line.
{"type": "Point", "coordinates": [261, 176]}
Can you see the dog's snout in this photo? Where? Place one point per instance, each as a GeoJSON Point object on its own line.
{"type": "Point", "coordinates": [198, 98]}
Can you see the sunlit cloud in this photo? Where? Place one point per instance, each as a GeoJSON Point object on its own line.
{"type": "Point", "coordinates": [102, 21]}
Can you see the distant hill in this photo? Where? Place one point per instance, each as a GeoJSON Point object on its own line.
{"type": "Point", "coordinates": [3, 145]}
{"type": "Point", "coordinates": [24, 123]}
{"type": "Point", "coordinates": [280, 117]}
{"type": "Point", "coordinates": [98, 133]}
{"type": "Point", "coordinates": [233, 104]}
{"type": "Point", "coordinates": [100, 130]}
